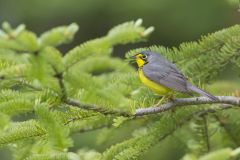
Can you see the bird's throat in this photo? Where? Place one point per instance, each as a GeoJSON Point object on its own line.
{"type": "Point", "coordinates": [140, 62]}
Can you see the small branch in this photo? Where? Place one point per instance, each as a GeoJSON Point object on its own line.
{"type": "Point", "coordinates": [184, 121]}
{"type": "Point", "coordinates": [61, 84]}
{"type": "Point", "coordinates": [59, 76]}
{"type": "Point", "coordinates": [226, 101]}
{"type": "Point", "coordinates": [230, 100]}
{"type": "Point", "coordinates": [206, 132]}
{"type": "Point", "coordinates": [228, 132]}
{"type": "Point", "coordinates": [93, 107]}
{"type": "Point", "coordinates": [82, 130]}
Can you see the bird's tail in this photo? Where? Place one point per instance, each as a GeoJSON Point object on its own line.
{"type": "Point", "coordinates": [201, 92]}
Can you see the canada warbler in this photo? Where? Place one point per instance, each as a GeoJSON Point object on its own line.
{"type": "Point", "coordinates": [162, 76]}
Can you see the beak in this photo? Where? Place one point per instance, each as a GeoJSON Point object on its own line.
{"type": "Point", "coordinates": [131, 59]}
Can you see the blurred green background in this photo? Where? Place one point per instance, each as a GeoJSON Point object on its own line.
{"type": "Point", "coordinates": [174, 22]}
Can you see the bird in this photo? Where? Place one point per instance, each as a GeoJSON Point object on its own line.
{"type": "Point", "coordinates": [163, 77]}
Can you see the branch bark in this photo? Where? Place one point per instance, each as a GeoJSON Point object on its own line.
{"type": "Point", "coordinates": [226, 101]}
{"type": "Point", "coordinates": [179, 102]}
{"type": "Point", "coordinates": [96, 108]}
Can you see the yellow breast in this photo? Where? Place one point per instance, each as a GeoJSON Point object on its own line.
{"type": "Point", "coordinates": [161, 90]}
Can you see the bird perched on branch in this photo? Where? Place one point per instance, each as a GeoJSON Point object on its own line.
{"type": "Point", "coordinates": [162, 76]}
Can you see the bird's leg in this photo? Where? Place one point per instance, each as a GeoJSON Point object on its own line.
{"type": "Point", "coordinates": [167, 97]}
{"type": "Point", "coordinates": [161, 100]}
{"type": "Point", "coordinates": [170, 96]}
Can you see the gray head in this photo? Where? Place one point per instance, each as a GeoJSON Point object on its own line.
{"type": "Point", "coordinates": [145, 57]}
{"type": "Point", "coordinates": [152, 56]}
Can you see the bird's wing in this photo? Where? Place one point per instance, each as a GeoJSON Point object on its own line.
{"type": "Point", "coordinates": [167, 75]}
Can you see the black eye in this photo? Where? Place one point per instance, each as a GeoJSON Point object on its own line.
{"type": "Point", "coordinates": [144, 56]}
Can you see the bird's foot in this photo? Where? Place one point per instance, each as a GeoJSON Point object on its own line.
{"type": "Point", "coordinates": [162, 100]}
{"type": "Point", "coordinates": [169, 97]}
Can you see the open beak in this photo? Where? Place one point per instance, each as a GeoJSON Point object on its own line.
{"type": "Point", "coordinates": [132, 59]}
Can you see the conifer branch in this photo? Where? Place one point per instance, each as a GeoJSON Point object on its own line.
{"type": "Point", "coordinates": [94, 128]}
{"type": "Point", "coordinates": [96, 108]}
{"type": "Point", "coordinates": [226, 129]}
{"type": "Point", "coordinates": [206, 133]}
{"type": "Point", "coordinates": [187, 119]}
{"type": "Point", "coordinates": [228, 100]}
{"type": "Point", "coordinates": [59, 76]}
{"type": "Point", "coordinates": [153, 137]}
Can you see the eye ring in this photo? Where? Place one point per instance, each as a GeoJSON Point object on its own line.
{"type": "Point", "coordinates": [144, 56]}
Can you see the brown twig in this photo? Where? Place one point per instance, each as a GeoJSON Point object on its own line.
{"type": "Point", "coordinates": [226, 101]}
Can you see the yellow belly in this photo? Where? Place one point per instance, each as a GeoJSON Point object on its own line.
{"type": "Point", "coordinates": [161, 90]}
